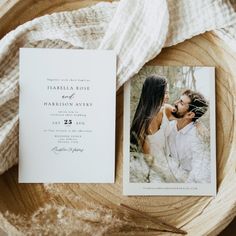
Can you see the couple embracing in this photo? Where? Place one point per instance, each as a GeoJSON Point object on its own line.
{"type": "Point", "coordinates": [168, 136]}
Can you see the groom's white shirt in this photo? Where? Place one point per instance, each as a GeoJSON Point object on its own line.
{"type": "Point", "coordinates": [187, 154]}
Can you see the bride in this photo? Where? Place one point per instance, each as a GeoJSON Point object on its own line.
{"type": "Point", "coordinates": [148, 134]}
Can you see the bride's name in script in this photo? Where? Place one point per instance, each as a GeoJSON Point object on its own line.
{"type": "Point", "coordinates": [58, 150]}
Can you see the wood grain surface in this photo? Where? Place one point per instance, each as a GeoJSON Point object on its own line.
{"type": "Point", "coordinates": [22, 204]}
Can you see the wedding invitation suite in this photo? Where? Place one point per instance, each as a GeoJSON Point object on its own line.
{"type": "Point", "coordinates": [169, 132]}
{"type": "Point", "coordinates": [67, 116]}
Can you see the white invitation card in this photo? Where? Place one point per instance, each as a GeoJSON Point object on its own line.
{"type": "Point", "coordinates": [170, 132]}
{"type": "Point", "coordinates": [67, 116]}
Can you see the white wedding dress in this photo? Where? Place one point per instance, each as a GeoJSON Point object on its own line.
{"type": "Point", "coordinates": [160, 170]}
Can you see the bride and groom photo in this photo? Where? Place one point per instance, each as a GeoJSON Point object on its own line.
{"type": "Point", "coordinates": [170, 138]}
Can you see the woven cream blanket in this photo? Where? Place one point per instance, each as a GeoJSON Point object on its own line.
{"type": "Point", "coordinates": [136, 29]}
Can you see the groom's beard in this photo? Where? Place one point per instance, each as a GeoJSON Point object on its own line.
{"type": "Point", "coordinates": [177, 114]}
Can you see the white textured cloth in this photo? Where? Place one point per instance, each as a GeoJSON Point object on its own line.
{"type": "Point", "coordinates": [228, 34]}
{"type": "Point", "coordinates": [136, 29]}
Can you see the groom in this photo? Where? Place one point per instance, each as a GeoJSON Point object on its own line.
{"type": "Point", "coordinates": [186, 147]}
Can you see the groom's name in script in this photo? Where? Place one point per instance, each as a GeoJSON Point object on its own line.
{"type": "Point", "coordinates": [58, 150]}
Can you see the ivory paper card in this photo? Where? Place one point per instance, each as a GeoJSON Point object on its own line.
{"type": "Point", "coordinates": [169, 132]}
{"type": "Point", "coordinates": [67, 116]}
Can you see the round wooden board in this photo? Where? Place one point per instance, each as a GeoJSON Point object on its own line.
{"type": "Point", "coordinates": [196, 215]}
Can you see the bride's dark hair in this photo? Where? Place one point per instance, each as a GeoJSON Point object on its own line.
{"type": "Point", "coordinates": [150, 102]}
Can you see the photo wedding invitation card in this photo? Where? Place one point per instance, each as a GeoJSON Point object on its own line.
{"type": "Point", "coordinates": [67, 116]}
{"type": "Point", "coordinates": [169, 132]}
